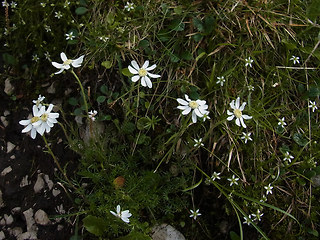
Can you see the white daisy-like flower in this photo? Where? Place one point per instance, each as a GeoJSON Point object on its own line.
{"type": "Point", "coordinates": [47, 28]}
{"type": "Point", "coordinates": [5, 4]}
{"type": "Point", "coordinates": [43, 4]}
{"type": "Point", "coordinates": [313, 105]}
{"type": "Point", "coordinates": [206, 116]}
{"type": "Point", "coordinates": [38, 102]}
{"type": "Point", "coordinates": [195, 214]}
{"type": "Point", "coordinates": [288, 157]}
{"type": "Point", "coordinates": [233, 180]}
{"type": "Point", "coordinates": [237, 112]}
{"type": "Point", "coordinates": [124, 215]}
{"type": "Point", "coordinates": [268, 188]}
{"type": "Point", "coordinates": [103, 38]}
{"type": "Point", "coordinates": [143, 73]}
{"type": "Point", "coordinates": [251, 88]}
{"type": "Point", "coordinates": [47, 56]}
{"type": "Point", "coordinates": [129, 6]}
{"type": "Point", "coordinates": [47, 119]}
{"type": "Point", "coordinates": [264, 198]}
{"type": "Point", "coordinates": [35, 58]}
{"type": "Point", "coordinates": [92, 115]}
{"type": "Point", "coordinates": [70, 36]}
{"type": "Point", "coordinates": [249, 62]}
{"type": "Point", "coordinates": [33, 123]}
{"type": "Point", "coordinates": [58, 14]}
{"type": "Point", "coordinates": [198, 107]}
{"type": "Point", "coordinates": [198, 142]}
{"type": "Point", "coordinates": [295, 59]}
{"type": "Point", "coordinates": [13, 4]}
{"type": "Point", "coordinates": [221, 80]}
{"type": "Point", "coordinates": [257, 216]}
{"type": "Point", "coordinates": [215, 176]}
{"type": "Point", "coordinates": [67, 62]}
{"type": "Point", "coordinates": [282, 122]}
{"type": "Point", "coordinates": [248, 220]}
{"type": "Point", "coordinates": [246, 137]}
{"type": "Point", "coordinates": [66, 4]}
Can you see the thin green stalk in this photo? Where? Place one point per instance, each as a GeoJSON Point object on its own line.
{"type": "Point", "coordinates": [82, 91]}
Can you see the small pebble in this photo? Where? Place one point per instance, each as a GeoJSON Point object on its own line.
{"type": "Point", "coordinates": [6, 171]}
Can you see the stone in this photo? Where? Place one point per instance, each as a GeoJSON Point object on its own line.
{"type": "Point", "coordinates": [1, 200]}
{"type": "Point", "coordinates": [10, 147]}
{"type": "Point", "coordinates": [8, 219]}
{"type": "Point", "coordinates": [16, 210]}
{"type": "Point", "coordinates": [16, 231]}
{"type": "Point", "coordinates": [28, 215]}
{"type": "Point", "coordinates": [6, 171]}
{"type": "Point", "coordinates": [48, 181]}
{"type": "Point", "coordinates": [2, 236]}
{"type": "Point", "coordinates": [24, 182]}
{"type": "Point", "coordinates": [4, 121]}
{"type": "Point", "coordinates": [315, 181]}
{"type": "Point", "coordinates": [8, 88]}
{"type": "Point", "coordinates": [166, 232]}
{"type": "Point", "coordinates": [39, 185]}
{"type": "Point", "coordinates": [32, 235]}
{"type": "Point", "coordinates": [41, 217]}
{"type": "Point", "coordinates": [55, 192]}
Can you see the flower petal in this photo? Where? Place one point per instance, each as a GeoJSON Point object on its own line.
{"type": "Point", "coordinates": [242, 123]}
{"type": "Point", "coordinates": [232, 104]}
{"type": "Point", "coordinates": [151, 67]}
{"type": "Point", "coordinates": [148, 81]}
{"type": "Point", "coordinates": [238, 122]}
{"type": "Point", "coordinates": [143, 81]}
{"type": "Point", "coordinates": [182, 102]}
{"type": "Point", "coordinates": [33, 133]}
{"type": "Point", "coordinates": [135, 78]}
{"type": "Point", "coordinates": [132, 70]}
{"type": "Point", "coordinates": [27, 128]}
{"type": "Point", "coordinates": [246, 117]}
{"type": "Point", "coordinates": [57, 65]}
{"type": "Point", "coordinates": [183, 107]}
{"type": "Point", "coordinates": [145, 65]}
{"type": "Point", "coordinates": [194, 117]}
{"type": "Point", "coordinates": [63, 57]}
{"type": "Point", "coordinates": [153, 75]}
{"type": "Point", "coordinates": [135, 65]}
{"type": "Point", "coordinates": [77, 62]}
{"type": "Point", "coordinates": [25, 122]}
{"type": "Point", "coordinates": [242, 106]}
{"type": "Point", "coordinates": [230, 118]}
{"type": "Point", "coordinates": [237, 105]}
{"type": "Point", "coordinates": [186, 111]}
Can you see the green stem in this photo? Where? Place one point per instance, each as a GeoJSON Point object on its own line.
{"type": "Point", "coordinates": [56, 161]}
{"type": "Point", "coordinates": [82, 91]}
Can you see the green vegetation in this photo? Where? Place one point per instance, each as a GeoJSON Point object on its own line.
{"type": "Point", "coordinates": [141, 153]}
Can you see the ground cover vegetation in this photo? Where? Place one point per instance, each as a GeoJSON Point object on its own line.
{"type": "Point", "coordinates": [199, 114]}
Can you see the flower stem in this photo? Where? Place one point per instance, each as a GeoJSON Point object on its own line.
{"type": "Point", "coordinates": [82, 91]}
{"type": "Point", "coordinates": [56, 161]}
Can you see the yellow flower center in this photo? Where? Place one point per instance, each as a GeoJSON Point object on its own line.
{"type": "Point", "coordinates": [237, 113]}
{"type": "Point", "coordinates": [67, 62]}
{"type": "Point", "coordinates": [142, 72]}
{"type": "Point", "coordinates": [193, 104]}
{"type": "Point", "coordinates": [44, 117]}
{"type": "Point", "coordinates": [34, 119]}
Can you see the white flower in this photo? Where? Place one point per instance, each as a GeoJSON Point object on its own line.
{"type": "Point", "coordinates": [249, 62]}
{"type": "Point", "coordinates": [233, 180]}
{"type": "Point", "coordinates": [35, 57]}
{"type": "Point", "coordinates": [142, 73]}
{"type": "Point", "coordinates": [58, 15]}
{"type": "Point", "coordinates": [194, 214]}
{"type": "Point", "coordinates": [70, 36]}
{"type": "Point", "coordinates": [198, 142]}
{"type": "Point", "coordinates": [66, 4]}
{"type": "Point", "coordinates": [43, 4]}
{"type": "Point", "coordinates": [251, 88]}
{"type": "Point", "coordinates": [215, 176]}
{"type": "Point", "coordinates": [124, 215]}
{"type": "Point", "coordinates": [206, 116]}
{"type": "Point", "coordinates": [38, 102]}
{"type": "Point", "coordinates": [246, 137]}
{"type": "Point", "coordinates": [264, 198]}
{"type": "Point", "coordinates": [129, 6]}
{"type": "Point", "coordinates": [258, 215]}
{"type": "Point", "coordinates": [92, 115]}
{"type": "Point", "coordinates": [295, 59]}
{"type": "Point", "coordinates": [247, 220]}
{"type": "Point", "coordinates": [47, 55]}
{"type": "Point", "coordinates": [5, 4]}
{"type": "Point", "coordinates": [313, 105]}
{"type": "Point", "coordinates": [268, 188]}
{"type": "Point", "coordinates": [66, 63]}
{"type": "Point", "coordinates": [104, 38]}
{"type": "Point", "coordinates": [13, 4]}
{"type": "Point", "coordinates": [198, 107]}
{"type": "Point", "coordinates": [288, 157]}
{"type": "Point", "coordinates": [282, 122]}
{"type": "Point", "coordinates": [237, 112]}
{"type": "Point", "coordinates": [47, 119]}
{"type": "Point", "coordinates": [221, 80]}
{"type": "Point", "coordinates": [47, 28]}
{"type": "Point", "coordinates": [32, 124]}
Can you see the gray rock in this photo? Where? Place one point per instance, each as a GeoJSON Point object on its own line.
{"type": "Point", "coordinates": [24, 182]}
{"type": "Point", "coordinates": [39, 185]}
{"type": "Point", "coordinates": [16, 231]}
{"type": "Point", "coordinates": [2, 236]}
{"type": "Point", "coordinates": [8, 219]}
{"type": "Point", "coordinates": [41, 217]}
{"type": "Point", "coordinates": [8, 88]}
{"type": "Point", "coordinates": [6, 171]}
{"type": "Point", "coordinates": [28, 215]}
{"type": "Point", "coordinates": [28, 236]}
{"type": "Point", "coordinates": [1, 200]}
{"type": "Point", "coordinates": [10, 147]}
{"type": "Point", "coordinates": [4, 121]}
{"type": "Point", "coordinates": [166, 232]}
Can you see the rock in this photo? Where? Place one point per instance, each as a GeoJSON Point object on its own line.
{"type": "Point", "coordinates": [51, 89]}
{"type": "Point", "coordinates": [39, 185]}
{"type": "Point", "coordinates": [15, 210]}
{"type": "Point", "coordinates": [41, 217]}
{"type": "Point", "coordinates": [8, 219]}
{"type": "Point", "coordinates": [1, 200]}
{"type": "Point", "coordinates": [6, 113]}
{"type": "Point", "coordinates": [55, 192]}
{"type": "Point", "coordinates": [6, 171]}
{"type": "Point", "coordinates": [10, 147]}
{"type": "Point", "coordinates": [28, 236]}
{"type": "Point", "coordinates": [8, 88]}
{"type": "Point", "coordinates": [166, 232]}
{"type": "Point", "coordinates": [93, 132]}
{"type": "Point", "coordinates": [315, 181]}
{"type": "Point", "coordinates": [4, 121]}
{"type": "Point", "coordinates": [24, 182]}
{"type": "Point", "coordinates": [2, 222]}
{"type": "Point", "coordinates": [2, 236]}
{"type": "Point", "coordinates": [28, 215]}
{"type": "Point", "coordinates": [16, 231]}
{"type": "Point", "coordinates": [59, 227]}
{"type": "Point", "coordinates": [48, 181]}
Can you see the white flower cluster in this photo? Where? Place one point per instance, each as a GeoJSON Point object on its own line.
{"type": "Point", "coordinates": [42, 120]}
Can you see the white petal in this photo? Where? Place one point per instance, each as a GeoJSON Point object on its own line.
{"type": "Point", "coordinates": [186, 111]}
{"type": "Point", "coordinates": [61, 70]}
{"type": "Point", "coordinates": [148, 81]}
{"type": "Point", "coordinates": [182, 102]}
{"type": "Point", "coordinates": [143, 81]}
{"type": "Point", "coordinates": [135, 65]}
{"type": "Point", "coordinates": [242, 106]}
{"type": "Point", "coordinates": [63, 57]}
{"type": "Point", "coordinates": [77, 62]}
{"type": "Point", "coordinates": [33, 133]}
{"type": "Point", "coordinates": [199, 114]}
{"type": "Point", "coordinates": [113, 213]}
{"type": "Point", "coordinates": [230, 118]}
{"type": "Point", "coordinates": [27, 128]}
{"type": "Point", "coordinates": [118, 209]}
{"type": "Point", "coordinates": [41, 129]}
{"type": "Point", "coordinates": [153, 75]}
{"type": "Point", "coordinates": [132, 70]}
{"type": "Point", "coordinates": [246, 117]}
{"type": "Point", "coordinates": [135, 78]}
{"type": "Point", "coordinates": [238, 122]}
{"type": "Point", "coordinates": [53, 115]}
{"type": "Point", "coordinates": [194, 117]}
{"type": "Point", "coordinates": [242, 123]}
{"type": "Point", "coordinates": [232, 104]}
{"type": "Point", "coordinates": [145, 65]}
{"type": "Point", "coordinates": [57, 65]}
{"type": "Point", "coordinates": [183, 107]}
{"type": "Point", "coordinates": [151, 67]}
{"type": "Point", "coordinates": [126, 220]}
{"type": "Point", "coordinates": [25, 122]}
{"type": "Point", "coordinates": [49, 108]}
{"type": "Point", "coordinates": [187, 97]}
{"type": "Point", "coordinates": [237, 103]}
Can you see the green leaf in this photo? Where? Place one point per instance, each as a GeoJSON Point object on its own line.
{"type": "Point", "coordinates": [313, 10]}
{"type": "Point", "coordinates": [310, 173]}
{"type": "Point", "coordinates": [313, 92]}
{"type": "Point", "coordinates": [101, 99]}
{"type": "Point", "coordinates": [208, 24]}
{"type": "Point", "coordinates": [234, 236]}
{"type": "Point", "coordinates": [104, 89]}
{"type": "Point", "coordinates": [94, 225]}
{"type": "Point", "coordinates": [301, 181]}
{"type": "Point", "coordinates": [143, 123]}
{"type": "Point", "coordinates": [198, 24]}
{"type": "Point", "coordinates": [186, 55]}
{"type": "Point", "coordinates": [317, 170]}
{"type": "Point", "coordinates": [105, 118]}
{"type": "Point", "coordinates": [73, 101]}
{"type": "Point", "coordinates": [77, 111]}
{"type": "Point", "coordinates": [144, 44]}
{"type": "Point", "coordinates": [178, 10]}
{"type": "Point", "coordinates": [177, 25]}
{"type": "Point", "coordinates": [110, 18]}
{"type": "Point", "coordinates": [134, 235]}
{"type": "Point", "coordinates": [107, 64]}
{"type": "Point", "coordinates": [313, 232]}
{"type": "Point", "coordinates": [9, 59]}
{"type": "Point", "coordinates": [193, 186]}
{"type": "Point", "coordinates": [81, 10]}
{"type": "Point", "coordinates": [126, 72]}
{"type": "Point", "coordinates": [300, 139]}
